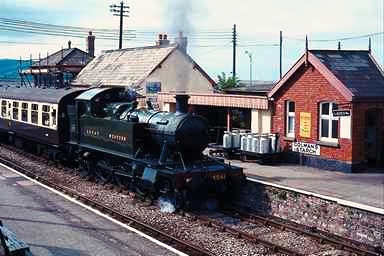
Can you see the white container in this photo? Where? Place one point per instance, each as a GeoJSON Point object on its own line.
{"type": "Point", "coordinates": [273, 143]}
{"type": "Point", "coordinates": [264, 144]}
{"type": "Point", "coordinates": [255, 144]}
{"type": "Point", "coordinates": [227, 140]}
{"type": "Point", "coordinates": [235, 139]}
{"type": "Point", "coordinates": [249, 142]}
{"type": "Point", "coordinates": [243, 143]}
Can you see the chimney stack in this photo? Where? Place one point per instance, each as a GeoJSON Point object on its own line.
{"type": "Point", "coordinates": [91, 44]}
{"type": "Point", "coordinates": [69, 44]}
{"type": "Point", "coordinates": [182, 42]}
{"type": "Point", "coordinates": [163, 40]}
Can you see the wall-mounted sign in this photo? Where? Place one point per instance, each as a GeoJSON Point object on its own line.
{"type": "Point", "coordinates": [341, 113]}
{"type": "Point", "coordinates": [305, 124]}
{"type": "Point", "coordinates": [153, 87]}
{"type": "Point", "coordinates": [306, 148]}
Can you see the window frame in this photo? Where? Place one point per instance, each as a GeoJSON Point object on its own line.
{"type": "Point", "coordinates": [24, 109]}
{"type": "Point", "coordinates": [4, 108]}
{"type": "Point", "coordinates": [34, 113]}
{"type": "Point", "coordinates": [15, 111]}
{"type": "Point", "coordinates": [46, 115]}
{"type": "Point", "coordinates": [289, 115]}
{"type": "Point", "coordinates": [330, 119]}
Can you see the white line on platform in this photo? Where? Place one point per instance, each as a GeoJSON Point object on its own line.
{"type": "Point", "coordinates": [329, 198]}
{"type": "Point", "coordinates": [99, 213]}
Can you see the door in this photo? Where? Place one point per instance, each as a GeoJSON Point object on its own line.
{"type": "Point", "coordinates": [374, 138]}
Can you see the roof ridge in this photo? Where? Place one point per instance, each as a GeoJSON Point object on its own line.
{"type": "Point", "coordinates": [143, 48]}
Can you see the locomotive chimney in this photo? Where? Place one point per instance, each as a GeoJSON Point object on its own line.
{"type": "Point", "coordinates": [181, 103]}
{"type": "Point", "coordinates": [91, 44]}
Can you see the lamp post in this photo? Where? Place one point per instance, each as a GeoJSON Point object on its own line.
{"type": "Point", "coordinates": [250, 66]}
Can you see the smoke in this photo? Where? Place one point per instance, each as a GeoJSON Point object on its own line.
{"type": "Point", "coordinates": [180, 15]}
{"type": "Point", "coordinates": [166, 205]}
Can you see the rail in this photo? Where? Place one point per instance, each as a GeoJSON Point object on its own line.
{"type": "Point", "coordinates": [176, 243]}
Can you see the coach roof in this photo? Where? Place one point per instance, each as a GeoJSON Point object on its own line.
{"type": "Point", "coordinates": [48, 95]}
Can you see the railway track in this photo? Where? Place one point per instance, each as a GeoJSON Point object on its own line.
{"type": "Point", "coordinates": [339, 242]}
{"type": "Point", "coordinates": [352, 247]}
{"type": "Point", "coordinates": [174, 242]}
{"type": "Point", "coordinates": [280, 225]}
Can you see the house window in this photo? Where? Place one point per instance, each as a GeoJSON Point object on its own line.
{"type": "Point", "coordinates": [329, 125]}
{"type": "Point", "coordinates": [290, 119]}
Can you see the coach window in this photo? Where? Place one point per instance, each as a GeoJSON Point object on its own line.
{"type": "Point", "coordinates": [45, 115]}
{"type": "Point", "coordinates": [24, 111]}
{"type": "Point", "coordinates": [15, 110]}
{"type": "Point", "coordinates": [53, 116]}
{"type": "Point", "coordinates": [290, 119]}
{"type": "Point", "coordinates": [329, 125]}
{"type": "Point", "coordinates": [35, 113]}
{"type": "Point", "coordinates": [4, 108]}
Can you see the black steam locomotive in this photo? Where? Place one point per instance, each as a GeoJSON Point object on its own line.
{"type": "Point", "coordinates": [102, 130]}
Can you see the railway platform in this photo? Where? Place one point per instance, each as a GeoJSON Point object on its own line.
{"type": "Point", "coordinates": [52, 225]}
{"type": "Point", "coordinates": [360, 190]}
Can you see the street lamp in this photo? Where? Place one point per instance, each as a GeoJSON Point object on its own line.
{"type": "Point", "coordinates": [250, 66]}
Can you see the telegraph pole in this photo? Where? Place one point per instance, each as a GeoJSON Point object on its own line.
{"type": "Point", "coordinates": [120, 11]}
{"type": "Point", "coordinates": [281, 54]}
{"type": "Point", "coordinates": [234, 41]}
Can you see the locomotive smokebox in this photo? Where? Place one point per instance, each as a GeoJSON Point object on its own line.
{"type": "Point", "coordinates": [181, 103]}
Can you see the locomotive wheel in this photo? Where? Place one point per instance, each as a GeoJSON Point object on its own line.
{"type": "Point", "coordinates": [102, 174]}
{"type": "Point", "coordinates": [85, 167]}
{"type": "Point", "coordinates": [123, 181]}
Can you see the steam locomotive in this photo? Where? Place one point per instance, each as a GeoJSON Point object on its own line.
{"type": "Point", "coordinates": [101, 129]}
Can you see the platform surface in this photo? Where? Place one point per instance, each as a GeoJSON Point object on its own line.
{"type": "Point", "coordinates": [361, 188]}
{"type": "Point", "coordinates": [52, 225]}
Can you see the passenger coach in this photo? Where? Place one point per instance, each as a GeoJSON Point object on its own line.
{"type": "Point", "coordinates": [36, 114]}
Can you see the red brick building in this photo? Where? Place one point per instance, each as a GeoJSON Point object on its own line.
{"type": "Point", "coordinates": [329, 110]}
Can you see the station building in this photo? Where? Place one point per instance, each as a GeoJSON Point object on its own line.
{"type": "Point", "coordinates": [57, 70]}
{"type": "Point", "coordinates": [329, 110]}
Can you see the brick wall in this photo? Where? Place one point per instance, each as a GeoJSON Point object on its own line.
{"type": "Point", "coordinates": [328, 216]}
{"type": "Point", "coordinates": [307, 88]}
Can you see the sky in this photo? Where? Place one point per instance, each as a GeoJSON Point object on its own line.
{"type": "Point", "coordinates": [208, 25]}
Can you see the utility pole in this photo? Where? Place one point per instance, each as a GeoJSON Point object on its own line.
{"type": "Point", "coordinates": [281, 54]}
{"type": "Point", "coordinates": [234, 41]}
{"type": "Point", "coordinates": [120, 11]}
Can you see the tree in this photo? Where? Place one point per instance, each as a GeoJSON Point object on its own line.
{"type": "Point", "coordinates": [225, 82]}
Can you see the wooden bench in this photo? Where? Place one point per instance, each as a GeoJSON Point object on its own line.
{"type": "Point", "coordinates": [11, 245]}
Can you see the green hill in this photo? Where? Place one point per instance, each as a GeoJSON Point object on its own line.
{"type": "Point", "coordinates": [9, 68]}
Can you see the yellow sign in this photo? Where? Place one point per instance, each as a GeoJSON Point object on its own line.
{"type": "Point", "coordinates": [305, 124]}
